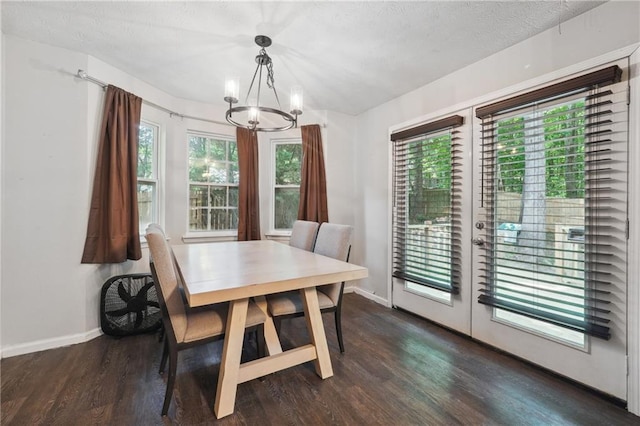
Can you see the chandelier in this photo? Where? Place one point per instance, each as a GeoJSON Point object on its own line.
{"type": "Point", "coordinates": [248, 116]}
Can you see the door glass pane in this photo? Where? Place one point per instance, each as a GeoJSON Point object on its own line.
{"type": "Point", "coordinates": [423, 226]}
{"type": "Point", "coordinates": [428, 291]}
{"type": "Point", "coordinates": [539, 216]}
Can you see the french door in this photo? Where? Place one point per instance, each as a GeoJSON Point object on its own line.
{"type": "Point", "coordinates": [429, 204]}
{"type": "Point", "coordinates": [544, 214]}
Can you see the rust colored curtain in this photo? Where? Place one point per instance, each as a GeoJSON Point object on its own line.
{"type": "Point", "coordinates": [248, 194]}
{"type": "Point", "coordinates": [313, 187]}
{"type": "Point", "coordinates": [112, 232]}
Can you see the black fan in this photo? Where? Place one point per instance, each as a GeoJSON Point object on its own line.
{"type": "Point", "coordinates": [129, 305]}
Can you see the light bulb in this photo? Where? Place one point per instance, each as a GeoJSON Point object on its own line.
{"type": "Point", "coordinates": [296, 100]}
{"type": "Point", "coordinates": [231, 90]}
{"type": "Point", "coordinates": [254, 113]}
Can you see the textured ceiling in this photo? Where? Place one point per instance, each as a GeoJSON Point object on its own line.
{"type": "Point", "coordinates": [347, 56]}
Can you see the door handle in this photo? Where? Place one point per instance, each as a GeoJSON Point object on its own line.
{"type": "Point", "coordinates": [478, 241]}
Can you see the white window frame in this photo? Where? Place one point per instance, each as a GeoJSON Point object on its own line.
{"type": "Point", "coordinates": [206, 235]}
{"type": "Point", "coordinates": [156, 173]}
{"type": "Point", "coordinates": [272, 184]}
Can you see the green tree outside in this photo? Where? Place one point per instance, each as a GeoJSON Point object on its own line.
{"type": "Point", "coordinates": [288, 166]}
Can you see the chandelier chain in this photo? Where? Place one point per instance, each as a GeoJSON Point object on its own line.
{"type": "Point", "coordinates": [270, 80]}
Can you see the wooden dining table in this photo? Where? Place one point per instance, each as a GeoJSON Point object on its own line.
{"type": "Point", "coordinates": [236, 271]}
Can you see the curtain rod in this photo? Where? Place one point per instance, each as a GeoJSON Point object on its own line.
{"type": "Point", "coordinates": [83, 75]}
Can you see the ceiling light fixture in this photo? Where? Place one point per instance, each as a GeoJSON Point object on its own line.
{"type": "Point", "coordinates": [248, 116]}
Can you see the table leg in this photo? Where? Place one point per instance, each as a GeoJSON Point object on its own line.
{"type": "Point", "coordinates": [271, 338]}
{"type": "Point", "coordinates": [230, 362]}
{"type": "Point", "coordinates": [316, 331]}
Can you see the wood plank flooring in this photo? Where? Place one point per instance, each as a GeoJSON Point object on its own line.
{"type": "Point", "coordinates": [397, 370]}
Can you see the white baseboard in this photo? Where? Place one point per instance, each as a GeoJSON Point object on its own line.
{"type": "Point", "coordinates": [58, 342]}
{"type": "Point", "coordinates": [357, 290]}
{"type": "Point", "coordinates": [44, 344]}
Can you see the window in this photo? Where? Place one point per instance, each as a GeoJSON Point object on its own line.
{"type": "Point", "coordinates": [554, 185]}
{"type": "Point", "coordinates": [426, 215]}
{"type": "Point", "coordinates": [213, 183]}
{"type": "Point", "coordinates": [147, 175]}
{"type": "Point", "coordinates": [287, 163]}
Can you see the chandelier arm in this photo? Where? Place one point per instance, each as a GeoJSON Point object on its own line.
{"type": "Point", "coordinates": [291, 120]}
{"type": "Point", "coordinates": [259, 87]}
{"type": "Point", "coordinates": [273, 86]}
{"type": "Point", "coordinates": [246, 100]}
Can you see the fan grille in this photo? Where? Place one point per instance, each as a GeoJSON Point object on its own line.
{"type": "Point", "coordinates": [129, 305]}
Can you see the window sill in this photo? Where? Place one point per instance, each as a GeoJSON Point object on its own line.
{"type": "Point", "coordinates": [278, 233]}
{"type": "Point", "coordinates": [280, 236]}
{"type": "Point", "coordinates": [209, 237]}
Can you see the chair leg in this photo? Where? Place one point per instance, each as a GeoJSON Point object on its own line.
{"type": "Point", "coordinates": [338, 318]}
{"type": "Point", "coordinates": [173, 366]}
{"type": "Point", "coordinates": [165, 353]}
{"type": "Point", "coordinates": [277, 322]}
{"type": "Point", "coordinates": [260, 344]}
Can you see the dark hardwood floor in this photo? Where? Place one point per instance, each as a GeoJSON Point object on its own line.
{"type": "Point", "coordinates": [397, 370]}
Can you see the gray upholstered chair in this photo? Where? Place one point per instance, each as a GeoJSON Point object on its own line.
{"type": "Point", "coordinates": [333, 241]}
{"type": "Point", "coordinates": [303, 234]}
{"type": "Point", "coordinates": [184, 327]}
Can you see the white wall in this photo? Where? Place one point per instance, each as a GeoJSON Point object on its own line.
{"type": "Point", "coordinates": [51, 130]}
{"type": "Point", "coordinates": [1, 157]}
{"type": "Point", "coordinates": [604, 29]}
{"type": "Point", "coordinates": [44, 194]}
{"type": "Point", "coordinates": [339, 161]}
